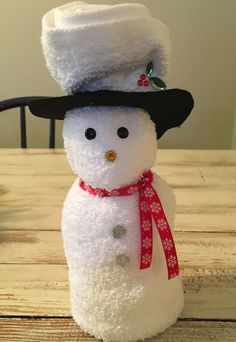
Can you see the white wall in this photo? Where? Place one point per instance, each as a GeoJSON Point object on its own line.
{"type": "Point", "coordinates": [203, 60]}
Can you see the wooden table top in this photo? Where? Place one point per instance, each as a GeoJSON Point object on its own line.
{"type": "Point", "coordinates": [34, 292]}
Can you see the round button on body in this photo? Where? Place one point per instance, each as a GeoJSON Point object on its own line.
{"type": "Point", "coordinates": [122, 260]}
{"type": "Point", "coordinates": [118, 232]}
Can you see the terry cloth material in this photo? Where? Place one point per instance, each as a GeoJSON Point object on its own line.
{"type": "Point", "coordinates": [117, 303]}
{"type": "Point", "coordinates": [83, 43]}
{"type": "Point", "coordinates": [111, 301]}
{"type": "Point", "coordinates": [149, 205]}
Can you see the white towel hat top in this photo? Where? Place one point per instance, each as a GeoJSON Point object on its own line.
{"type": "Point", "coordinates": [91, 47]}
{"type": "Point", "coordinates": [80, 13]}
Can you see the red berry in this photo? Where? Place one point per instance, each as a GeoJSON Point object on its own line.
{"type": "Point", "coordinates": [143, 77]}
{"type": "Point", "coordinates": [146, 83]}
{"type": "Point", "coordinates": [140, 83]}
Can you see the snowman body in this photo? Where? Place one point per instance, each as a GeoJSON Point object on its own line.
{"type": "Point", "coordinates": [111, 297]}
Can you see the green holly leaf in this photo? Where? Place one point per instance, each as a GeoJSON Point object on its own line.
{"type": "Point", "coordinates": [157, 83]}
{"type": "Point", "coordinates": [149, 69]}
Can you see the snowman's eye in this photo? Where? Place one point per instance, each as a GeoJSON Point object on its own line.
{"type": "Point", "coordinates": [90, 133]}
{"type": "Point", "coordinates": [122, 132]}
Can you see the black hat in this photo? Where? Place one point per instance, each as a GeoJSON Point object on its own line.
{"type": "Point", "coordinates": [167, 108]}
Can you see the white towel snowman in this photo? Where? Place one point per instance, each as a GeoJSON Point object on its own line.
{"type": "Point", "coordinates": [112, 62]}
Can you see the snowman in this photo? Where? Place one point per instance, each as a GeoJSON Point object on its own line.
{"type": "Point", "coordinates": [117, 221]}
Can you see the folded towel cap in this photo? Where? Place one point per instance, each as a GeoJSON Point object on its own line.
{"type": "Point", "coordinates": [95, 47]}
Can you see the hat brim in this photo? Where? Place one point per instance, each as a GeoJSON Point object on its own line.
{"type": "Point", "coordinates": [167, 108]}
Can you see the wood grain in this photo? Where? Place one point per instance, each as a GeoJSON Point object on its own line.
{"type": "Point", "coordinates": [34, 183]}
{"type": "Point", "coordinates": [51, 190]}
{"type": "Point", "coordinates": [35, 201]}
{"type": "Point", "coordinates": [44, 290]}
{"type": "Point", "coordinates": [195, 249]}
{"type": "Point", "coordinates": [55, 330]}
{"type": "Point", "coordinates": [48, 160]}
{"type": "Point", "coordinates": [33, 273]}
{"type": "Point", "coordinates": [188, 218]}
{"type": "Point", "coordinates": [34, 290]}
{"type": "Point", "coordinates": [33, 161]}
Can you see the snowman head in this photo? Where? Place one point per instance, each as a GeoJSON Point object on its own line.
{"type": "Point", "coordinates": [109, 147]}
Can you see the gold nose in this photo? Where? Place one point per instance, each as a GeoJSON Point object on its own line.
{"type": "Point", "coordinates": [111, 156]}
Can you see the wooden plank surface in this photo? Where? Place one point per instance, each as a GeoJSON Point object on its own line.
{"type": "Point", "coordinates": [189, 218]}
{"type": "Point", "coordinates": [33, 273]}
{"type": "Point", "coordinates": [208, 264]}
{"type": "Point", "coordinates": [43, 290]}
{"type": "Point", "coordinates": [34, 183]}
{"type": "Point", "coordinates": [48, 159]}
{"type": "Point", "coordinates": [195, 249]}
{"type": "Point", "coordinates": [55, 330]}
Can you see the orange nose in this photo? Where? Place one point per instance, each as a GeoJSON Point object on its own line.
{"type": "Point", "coordinates": [111, 156]}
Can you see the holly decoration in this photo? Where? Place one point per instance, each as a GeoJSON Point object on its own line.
{"type": "Point", "coordinates": [146, 80]}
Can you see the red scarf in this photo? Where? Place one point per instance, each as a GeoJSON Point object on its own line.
{"type": "Point", "coordinates": [149, 206]}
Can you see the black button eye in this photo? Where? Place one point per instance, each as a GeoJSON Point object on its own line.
{"type": "Point", "coordinates": [90, 133]}
{"type": "Point", "coordinates": [123, 132]}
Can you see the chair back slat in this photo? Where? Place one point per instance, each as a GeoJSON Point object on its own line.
{"type": "Point", "coordinates": [52, 133]}
{"type": "Point", "coordinates": [23, 127]}
{"type": "Point", "coordinates": [22, 103]}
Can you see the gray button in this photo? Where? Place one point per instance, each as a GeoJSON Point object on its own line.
{"type": "Point", "coordinates": [118, 232]}
{"type": "Point", "coordinates": [122, 260]}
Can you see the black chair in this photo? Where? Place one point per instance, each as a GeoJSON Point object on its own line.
{"type": "Point", "coordinates": [22, 103]}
